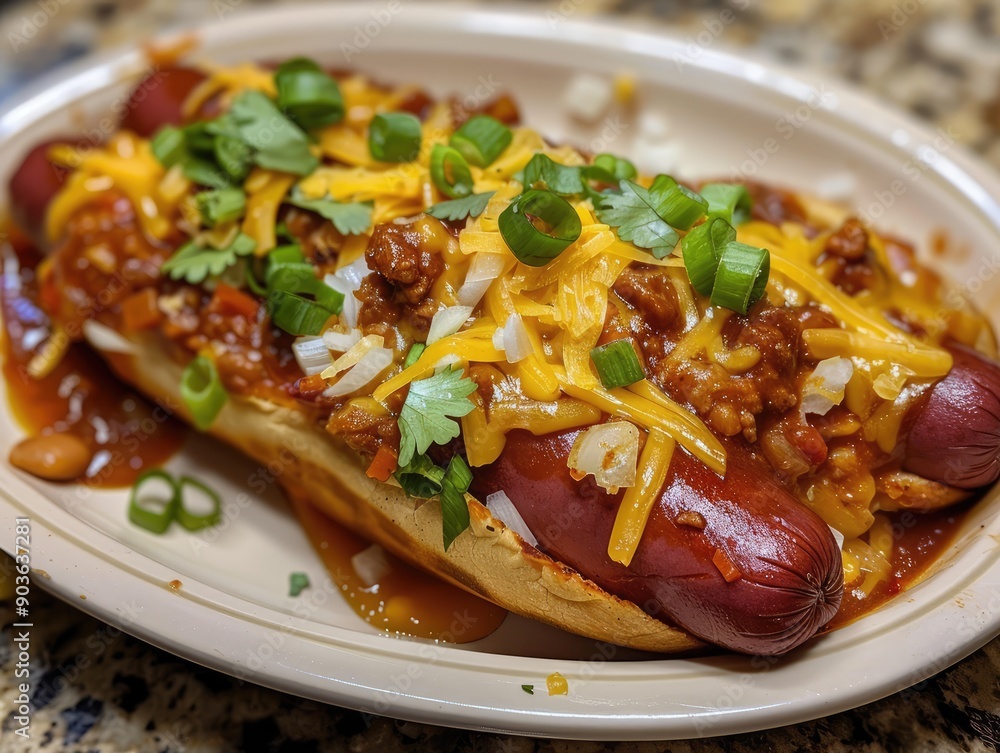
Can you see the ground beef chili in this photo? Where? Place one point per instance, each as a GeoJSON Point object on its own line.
{"type": "Point", "coordinates": [319, 239]}
{"type": "Point", "coordinates": [105, 261]}
{"type": "Point", "coordinates": [365, 425]}
{"type": "Point", "coordinates": [102, 260]}
{"type": "Point", "coordinates": [405, 265]}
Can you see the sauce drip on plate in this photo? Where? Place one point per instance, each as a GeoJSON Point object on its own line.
{"type": "Point", "coordinates": [125, 433]}
{"type": "Point", "coordinates": [405, 600]}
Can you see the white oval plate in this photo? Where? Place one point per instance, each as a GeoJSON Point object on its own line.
{"type": "Point", "coordinates": [725, 114]}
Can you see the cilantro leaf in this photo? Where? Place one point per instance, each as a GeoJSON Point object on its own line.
{"type": "Point", "coordinates": [279, 143]}
{"type": "Point", "coordinates": [560, 179]}
{"type": "Point", "coordinates": [353, 218]}
{"type": "Point", "coordinates": [454, 508]}
{"type": "Point", "coordinates": [194, 263]}
{"type": "Point", "coordinates": [427, 416]}
{"type": "Point", "coordinates": [420, 477]}
{"type": "Point", "coordinates": [472, 205]}
{"type": "Point", "coordinates": [205, 173]}
{"type": "Point", "coordinates": [637, 212]}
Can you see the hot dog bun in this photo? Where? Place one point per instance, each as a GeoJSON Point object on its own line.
{"type": "Point", "coordinates": [488, 559]}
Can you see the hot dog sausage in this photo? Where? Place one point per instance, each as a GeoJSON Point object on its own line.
{"type": "Point", "coordinates": [790, 579]}
{"type": "Point", "coordinates": [158, 100]}
{"type": "Point", "coordinates": [954, 437]}
{"type": "Point", "coordinates": [32, 187]}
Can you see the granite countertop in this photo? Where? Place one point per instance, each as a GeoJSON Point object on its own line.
{"type": "Point", "coordinates": [940, 59]}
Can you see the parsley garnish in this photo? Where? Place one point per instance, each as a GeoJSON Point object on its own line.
{"type": "Point", "coordinates": [297, 582]}
{"type": "Point", "coordinates": [454, 508]}
{"type": "Point", "coordinates": [560, 179]}
{"type": "Point", "coordinates": [194, 263]}
{"type": "Point", "coordinates": [422, 478]}
{"type": "Point", "coordinates": [350, 219]}
{"type": "Point", "coordinates": [529, 689]}
{"type": "Point", "coordinates": [427, 416]}
{"type": "Point", "coordinates": [458, 209]}
{"type": "Point", "coordinates": [279, 144]}
{"type": "Point", "coordinates": [637, 213]}
{"type": "Point", "coordinates": [206, 173]}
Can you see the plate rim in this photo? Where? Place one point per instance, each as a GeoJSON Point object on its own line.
{"type": "Point", "coordinates": [542, 716]}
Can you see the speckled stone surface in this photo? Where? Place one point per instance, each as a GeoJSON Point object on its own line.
{"type": "Point", "coordinates": [96, 689]}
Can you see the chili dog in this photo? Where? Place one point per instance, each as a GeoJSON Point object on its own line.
{"type": "Point", "coordinates": [732, 559]}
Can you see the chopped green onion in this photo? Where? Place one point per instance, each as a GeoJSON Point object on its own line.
{"type": "Point", "coordinates": [301, 279]}
{"type": "Point", "coordinates": [729, 201]}
{"type": "Point", "coordinates": [481, 139]}
{"type": "Point", "coordinates": [538, 244]}
{"type": "Point", "coordinates": [450, 172]}
{"type": "Point", "coordinates": [297, 583]}
{"type": "Point", "coordinates": [290, 253]}
{"type": "Point", "coordinates": [454, 508]}
{"type": "Point", "coordinates": [414, 355]}
{"type": "Point", "coordinates": [702, 249]}
{"type": "Point", "coordinates": [202, 391]}
{"type": "Point", "coordinates": [529, 689]}
{"type": "Point", "coordinates": [615, 168]}
{"type": "Point", "coordinates": [233, 155]}
{"type": "Point", "coordinates": [297, 315]}
{"type": "Point", "coordinates": [394, 137]}
{"type": "Point", "coordinates": [307, 94]}
{"type": "Point", "coordinates": [169, 146]}
{"type": "Point", "coordinates": [290, 279]}
{"type": "Point", "coordinates": [155, 517]}
{"type": "Point", "coordinates": [194, 521]}
{"type": "Point", "coordinates": [680, 206]}
{"type": "Point", "coordinates": [253, 282]}
{"type": "Point", "coordinates": [742, 276]}
{"type": "Point", "coordinates": [221, 205]}
{"type": "Point", "coordinates": [617, 364]}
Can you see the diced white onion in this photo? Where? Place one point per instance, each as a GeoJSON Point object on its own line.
{"type": "Point", "coordinates": [657, 156]}
{"type": "Point", "coordinates": [354, 355]}
{"type": "Point", "coordinates": [501, 507]}
{"type": "Point", "coordinates": [588, 97]}
{"type": "Point", "coordinates": [341, 342]}
{"type": "Point", "coordinates": [516, 343]}
{"type": "Point", "coordinates": [608, 451]}
{"type": "Point", "coordinates": [483, 270]}
{"type": "Point", "coordinates": [653, 125]}
{"type": "Point", "coordinates": [373, 363]}
{"type": "Point", "coordinates": [347, 280]}
{"type": "Point", "coordinates": [311, 354]}
{"type": "Point", "coordinates": [824, 388]}
{"type": "Point", "coordinates": [498, 338]}
{"type": "Point", "coordinates": [106, 339]}
{"type": "Point", "coordinates": [448, 321]}
{"type": "Point", "coordinates": [371, 565]}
